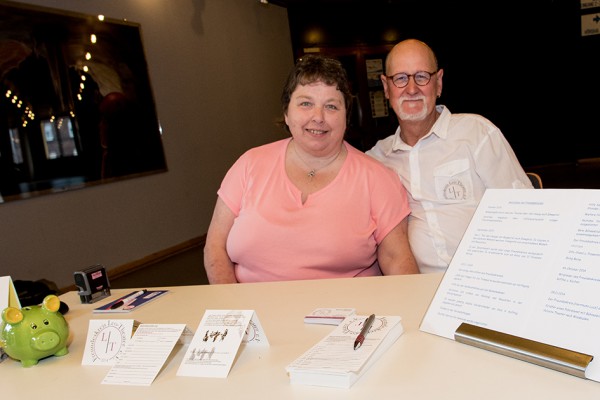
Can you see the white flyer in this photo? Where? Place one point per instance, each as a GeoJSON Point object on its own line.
{"type": "Point", "coordinates": [8, 294]}
{"type": "Point", "coordinates": [144, 355]}
{"type": "Point", "coordinates": [106, 340]}
{"type": "Point", "coordinates": [217, 340]}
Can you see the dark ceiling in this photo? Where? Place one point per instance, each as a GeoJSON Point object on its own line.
{"type": "Point", "coordinates": [298, 3]}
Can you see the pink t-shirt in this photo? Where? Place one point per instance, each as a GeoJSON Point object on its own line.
{"type": "Point", "coordinates": [334, 234]}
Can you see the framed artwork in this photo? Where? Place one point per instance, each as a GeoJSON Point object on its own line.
{"type": "Point", "coordinates": [76, 103]}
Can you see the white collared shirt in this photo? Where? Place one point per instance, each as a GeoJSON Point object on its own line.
{"type": "Point", "coordinates": [446, 173]}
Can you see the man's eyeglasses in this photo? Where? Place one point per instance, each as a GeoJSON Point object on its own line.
{"type": "Point", "coordinates": [421, 78]}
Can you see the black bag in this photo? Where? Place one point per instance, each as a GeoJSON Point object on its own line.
{"type": "Point", "coordinates": [32, 293]}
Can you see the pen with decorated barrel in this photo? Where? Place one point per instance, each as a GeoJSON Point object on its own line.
{"type": "Point", "coordinates": [363, 332]}
{"type": "Point", "coordinates": [127, 300]}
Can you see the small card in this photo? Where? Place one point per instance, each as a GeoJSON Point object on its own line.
{"type": "Point", "coordinates": [217, 340]}
{"type": "Point", "coordinates": [130, 301]}
{"type": "Point", "coordinates": [144, 355]}
{"type": "Point", "coordinates": [8, 294]}
{"type": "Point", "coordinates": [106, 340]}
{"type": "Point", "coordinates": [328, 316]}
{"type": "Point", "coordinates": [8, 298]}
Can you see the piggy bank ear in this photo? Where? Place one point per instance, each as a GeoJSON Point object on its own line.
{"type": "Point", "coordinates": [12, 315]}
{"type": "Point", "coordinates": [51, 303]}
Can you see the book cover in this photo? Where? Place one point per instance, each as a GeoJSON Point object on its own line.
{"type": "Point", "coordinates": [130, 302]}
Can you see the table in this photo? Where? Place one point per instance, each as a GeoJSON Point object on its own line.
{"type": "Point", "coordinates": [418, 366]}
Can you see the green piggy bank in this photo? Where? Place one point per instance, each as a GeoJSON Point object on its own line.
{"type": "Point", "coordinates": [34, 332]}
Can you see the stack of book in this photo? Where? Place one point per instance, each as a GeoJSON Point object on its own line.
{"type": "Point", "coordinates": [333, 362]}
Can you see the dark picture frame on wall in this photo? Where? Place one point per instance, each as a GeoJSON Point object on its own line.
{"type": "Point", "coordinates": [76, 103]}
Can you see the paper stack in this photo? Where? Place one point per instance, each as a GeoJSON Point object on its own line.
{"type": "Point", "coordinates": [333, 362]}
{"type": "Point", "coordinates": [328, 316]}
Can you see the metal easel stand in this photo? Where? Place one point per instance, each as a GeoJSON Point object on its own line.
{"type": "Point", "coordinates": [559, 359]}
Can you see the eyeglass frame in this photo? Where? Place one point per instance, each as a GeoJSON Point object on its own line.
{"type": "Point", "coordinates": [408, 76]}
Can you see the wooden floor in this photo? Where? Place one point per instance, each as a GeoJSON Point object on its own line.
{"type": "Point", "coordinates": [185, 268]}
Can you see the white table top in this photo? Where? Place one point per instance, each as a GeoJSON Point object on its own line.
{"type": "Point", "coordinates": [418, 366]}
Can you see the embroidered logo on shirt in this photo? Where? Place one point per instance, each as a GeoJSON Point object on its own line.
{"type": "Point", "coordinates": [455, 190]}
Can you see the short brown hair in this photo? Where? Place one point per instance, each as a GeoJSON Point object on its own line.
{"type": "Point", "coordinates": [313, 68]}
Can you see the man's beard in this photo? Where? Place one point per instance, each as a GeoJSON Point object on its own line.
{"type": "Point", "coordinates": [412, 116]}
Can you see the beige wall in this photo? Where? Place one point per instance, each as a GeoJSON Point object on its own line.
{"type": "Point", "coordinates": [216, 68]}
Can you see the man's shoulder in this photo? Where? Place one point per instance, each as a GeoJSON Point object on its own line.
{"type": "Point", "coordinates": [381, 147]}
{"type": "Point", "coordinates": [471, 118]}
{"type": "Point", "coordinates": [470, 126]}
{"type": "Point", "coordinates": [366, 157]}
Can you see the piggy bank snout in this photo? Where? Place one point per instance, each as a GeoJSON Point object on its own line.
{"type": "Point", "coordinates": [45, 341]}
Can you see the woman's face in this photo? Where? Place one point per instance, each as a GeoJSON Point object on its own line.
{"type": "Point", "coordinates": [316, 117]}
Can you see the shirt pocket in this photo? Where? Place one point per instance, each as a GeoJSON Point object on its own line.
{"type": "Point", "coordinates": [453, 181]}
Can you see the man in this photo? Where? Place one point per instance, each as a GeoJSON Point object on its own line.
{"type": "Point", "coordinates": [446, 161]}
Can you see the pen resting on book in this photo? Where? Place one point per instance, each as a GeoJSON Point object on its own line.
{"type": "Point", "coordinates": [363, 332]}
{"type": "Point", "coordinates": [128, 299]}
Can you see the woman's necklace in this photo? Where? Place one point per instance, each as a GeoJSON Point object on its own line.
{"type": "Point", "coordinates": [313, 171]}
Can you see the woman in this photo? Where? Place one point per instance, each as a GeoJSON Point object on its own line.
{"type": "Point", "coordinates": [310, 206]}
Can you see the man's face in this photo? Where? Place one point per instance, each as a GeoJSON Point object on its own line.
{"type": "Point", "coordinates": [412, 102]}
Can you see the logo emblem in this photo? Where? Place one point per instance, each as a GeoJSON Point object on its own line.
{"type": "Point", "coordinates": [455, 190]}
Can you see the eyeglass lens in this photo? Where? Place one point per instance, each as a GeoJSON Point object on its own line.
{"type": "Point", "coordinates": [421, 78]}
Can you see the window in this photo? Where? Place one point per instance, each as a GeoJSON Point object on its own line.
{"type": "Point", "coordinates": [59, 140]}
{"type": "Point", "coordinates": [15, 145]}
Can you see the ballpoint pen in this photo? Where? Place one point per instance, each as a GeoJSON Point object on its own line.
{"type": "Point", "coordinates": [128, 299]}
{"type": "Point", "coordinates": [363, 332]}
